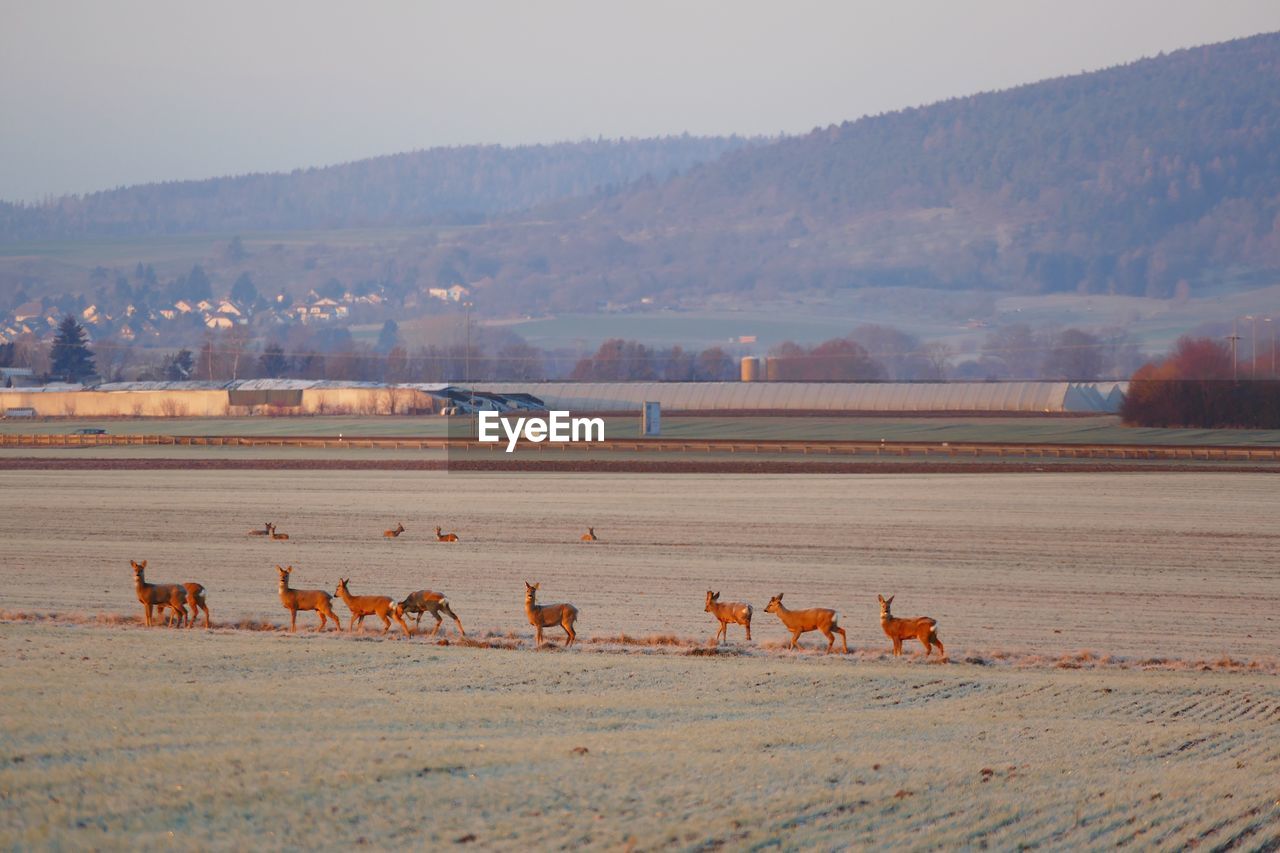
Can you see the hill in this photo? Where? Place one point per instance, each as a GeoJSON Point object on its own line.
{"type": "Point", "coordinates": [460, 184]}
{"type": "Point", "coordinates": [1152, 179]}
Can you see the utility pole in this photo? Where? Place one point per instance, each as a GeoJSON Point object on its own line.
{"type": "Point", "coordinates": [1233, 337]}
{"type": "Point", "coordinates": [466, 356]}
{"type": "Point", "coordinates": [1253, 347]}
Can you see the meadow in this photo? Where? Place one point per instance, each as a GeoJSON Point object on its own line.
{"type": "Point", "coordinates": [1112, 673]}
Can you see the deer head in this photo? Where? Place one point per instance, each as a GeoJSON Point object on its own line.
{"type": "Point", "coordinates": [774, 604]}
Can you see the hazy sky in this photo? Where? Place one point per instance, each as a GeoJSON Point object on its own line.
{"type": "Point", "coordinates": [101, 94]}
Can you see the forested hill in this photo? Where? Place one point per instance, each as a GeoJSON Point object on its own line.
{"type": "Point", "coordinates": [1131, 180]}
{"type": "Point", "coordinates": [436, 185]}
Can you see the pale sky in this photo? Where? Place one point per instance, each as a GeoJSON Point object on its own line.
{"type": "Point", "coordinates": [95, 95]}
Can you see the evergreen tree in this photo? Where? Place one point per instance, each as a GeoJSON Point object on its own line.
{"type": "Point", "coordinates": [389, 337]}
{"type": "Point", "coordinates": [178, 367]}
{"type": "Point", "coordinates": [70, 355]}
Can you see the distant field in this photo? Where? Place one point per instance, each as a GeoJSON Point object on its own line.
{"type": "Point", "coordinates": [1081, 430]}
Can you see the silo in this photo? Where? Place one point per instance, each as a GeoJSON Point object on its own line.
{"type": "Point", "coordinates": [750, 369]}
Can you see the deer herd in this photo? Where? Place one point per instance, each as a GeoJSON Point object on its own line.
{"type": "Point", "coordinates": [174, 600]}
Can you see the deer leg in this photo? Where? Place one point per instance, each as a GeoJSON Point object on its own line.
{"type": "Point", "coordinates": [206, 617]}
{"type": "Point", "coordinates": [293, 621]}
{"type": "Point", "coordinates": [537, 635]}
{"type": "Point", "coordinates": [844, 639]}
{"type": "Point", "coordinates": [568, 629]}
{"type": "Point", "coordinates": [897, 647]}
{"type": "Point", "coordinates": [747, 625]}
{"type": "Point", "coordinates": [795, 638]}
{"type": "Point", "coordinates": [386, 623]}
{"type": "Point", "coordinates": [147, 607]}
{"type": "Point", "coordinates": [831, 638]}
{"type": "Point", "coordinates": [458, 622]}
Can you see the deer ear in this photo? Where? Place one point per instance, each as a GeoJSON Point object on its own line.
{"type": "Point", "coordinates": [779, 596]}
{"type": "Point", "coordinates": [881, 597]}
{"type": "Point", "coordinates": [143, 564]}
{"type": "Point", "coordinates": [889, 600]}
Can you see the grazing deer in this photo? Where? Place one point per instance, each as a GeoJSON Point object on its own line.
{"type": "Point", "coordinates": [305, 599]}
{"type": "Point", "coordinates": [369, 605]}
{"type": "Point", "coordinates": [426, 601]}
{"type": "Point", "coordinates": [445, 537]}
{"type": "Point", "coordinates": [921, 628]}
{"type": "Point", "coordinates": [590, 535]}
{"type": "Point", "coordinates": [392, 534]}
{"type": "Point", "coordinates": [161, 595]}
{"type": "Point", "coordinates": [726, 612]}
{"type": "Point", "coordinates": [803, 621]}
{"type": "Point", "coordinates": [279, 537]}
{"type": "Point", "coordinates": [547, 615]}
{"type": "Point", "coordinates": [267, 527]}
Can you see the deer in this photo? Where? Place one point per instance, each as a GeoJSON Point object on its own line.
{"type": "Point", "coordinates": [392, 534]}
{"type": "Point", "coordinates": [361, 606]}
{"type": "Point", "coordinates": [445, 537]}
{"type": "Point", "coordinates": [267, 527]}
{"type": "Point", "coordinates": [803, 621]}
{"type": "Point", "coordinates": [426, 601]}
{"type": "Point", "coordinates": [195, 601]}
{"type": "Point", "coordinates": [279, 537]}
{"type": "Point", "coordinates": [548, 615]}
{"type": "Point", "coordinates": [161, 595]}
{"type": "Point", "coordinates": [922, 628]}
{"type": "Point", "coordinates": [305, 599]}
{"type": "Point", "coordinates": [726, 612]}
{"type": "Point", "coordinates": [590, 535]}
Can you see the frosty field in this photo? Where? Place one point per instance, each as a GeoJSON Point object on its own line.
{"type": "Point", "coordinates": [1112, 638]}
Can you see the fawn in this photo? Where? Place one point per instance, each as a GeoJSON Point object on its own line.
{"type": "Point", "coordinates": [267, 527]}
{"type": "Point", "coordinates": [369, 605]}
{"type": "Point", "coordinates": [278, 536]}
{"type": "Point", "coordinates": [547, 615]}
{"type": "Point", "coordinates": [426, 601]}
{"type": "Point", "coordinates": [161, 595]}
{"type": "Point", "coordinates": [814, 619]}
{"type": "Point", "coordinates": [921, 628]}
{"type": "Point", "coordinates": [445, 537]}
{"type": "Point", "coordinates": [590, 535]}
{"type": "Point", "coordinates": [726, 612]}
{"type": "Point", "coordinates": [305, 599]}
{"type": "Point", "coordinates": [392, 534]}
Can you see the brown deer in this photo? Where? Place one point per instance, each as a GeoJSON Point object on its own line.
{"type": "Point", "coordinates": [803, 621]}
{"type": "Point", "coordinates": [426, 601]}
{"type": "Point", "coordinates": [392, 534]}
{"type": "Point", "coordinates": [161, 595]}
{"type": "Point", "coordinates": [279, 537]}
{"type": "Point", "coordinates": [369, 605]}
{"type": "Point", "coordinates": [445, 537]}
{"type": "Point", "coordinates": [922, 628]}
{"type": "Point", "coordinates": [305, 599]}
{"type": "Point", "coordinates": [267, 527]}
{"type": "Point", "coordinates": [548, 615]}
{"type": "Point", "coordinates": [590, 535]}
{"type": "Point", "coordinates": [726, 612]}
{"type": "Point", "coordinates": [196, 602]}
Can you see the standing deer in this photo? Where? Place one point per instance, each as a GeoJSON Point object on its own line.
{"type": "Point", "coordinates": [196, 602]}
{"type": "Point", "coordinates": [922, 628]}
{"type": "Point", "coordinates": [161, 595]}
{"type": "Point", "coordinates": [803, 621]}
{"type": "Point", "coordinates": [726, 612]}
{"type": "Point", "coordinates": [369, 605]}
{"type": "Point", "coordinates": [305, 599]}
{"type": "Point", "coordinates": [547, 615]}
{"type": "Point", "coordinates": [392, 534]}
{"type": "Point", "coordinates": [426, 601]}
{"type": "Point", "coordinates": [278, 536]}
{"type": "Point", "coordinates": [267, 527]}
{"type": "Point", "coordinates": [590, 535]}
{"type": "Point", "coordinates": [445, 537]}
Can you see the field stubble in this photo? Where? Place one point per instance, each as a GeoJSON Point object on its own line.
{"type": "Point", "coordinates": [118, 736]}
